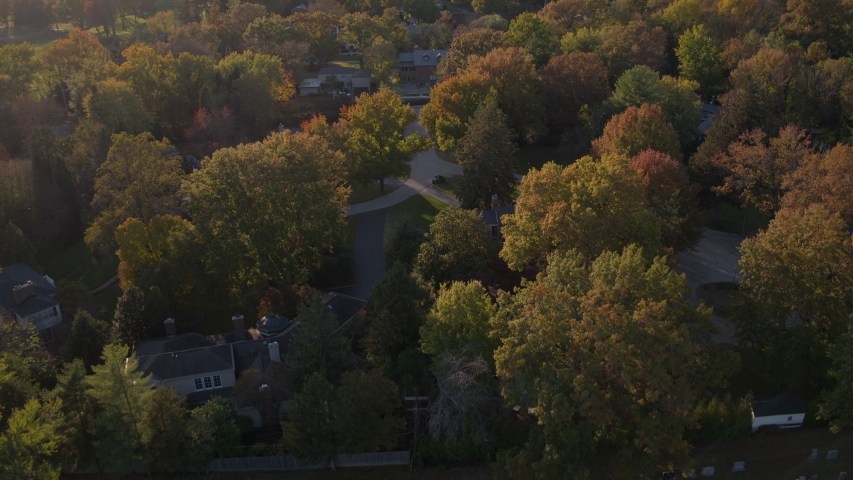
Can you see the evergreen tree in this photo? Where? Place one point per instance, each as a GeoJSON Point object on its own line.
{"type": "Point", "coordinates": [122, 393]}
{"type": "Point", "coordinates": [29, 447]}
{"type": "Point", "coordinates": [165, 420]}
{"type": "Point", "coordinates": [486, 153]}
{"type": "Point", "coordinates": [86, 340]}
{"type": "Point", "coordinates": [78, 409]}
{"type": "Point", "coordinates": [320, 344]}
{"type": "Point", "coordinates": [14, 247]}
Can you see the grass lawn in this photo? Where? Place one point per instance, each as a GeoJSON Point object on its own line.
{"type": "Point", "coordinates": [781, 456]}
{"type": "Point", "coordinates": [451, 185]}
{"type": "Point", "coordinates": [38, 37]}
{"type": "Point", "coordinates": [78, 263]}
{"type": "Point", "coordinates": [535, 156]}
{"type": "Point", "coordinates": [446, 155]}
{"type": "Point", "coordinates": [366, 193]}
{"type": "Point", "coordinates": [351, 231]}
{"type": "Point", "coordinates": [732, 219]}
{"type": "Point", "coordinates": [480, 472]}
{"type": "Point", "coordinates": [418, 211]}
{"type": "Point", "coordinates": [350, 62]}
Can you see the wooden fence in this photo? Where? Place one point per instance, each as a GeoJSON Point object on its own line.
{"type": "Point", "coordinates": [245, 464]}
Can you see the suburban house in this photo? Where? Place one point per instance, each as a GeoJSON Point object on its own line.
{"type": "Point", "coordinates": [353, 80]}
{"type": "Point", "coordinates": [782, 411]}
{"type": "Point", "coordinates": [493, 217]}
{"type": "Point", "coordinates": [204, 366]}
{"type": "Point", "coordinates": [418, 67]}
{"type": "Point", "coordinates": [310, 86]}
{"type": "Point", "coordinates": [26, 296]}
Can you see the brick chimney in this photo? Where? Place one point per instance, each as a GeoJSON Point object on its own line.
{"type": "Point", "coordinates": [239, 324]}
{"type": "Point", "coordinates": [494, 201]}
{"type": "Point", "coordinates": [169, 323]}
{"type": "Point", "coordinates": [23, 292]}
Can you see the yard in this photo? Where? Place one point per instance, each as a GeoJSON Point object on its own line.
{"type": "Point", "coordinates": [78, 263]}
{"type": "Point", "coordinates": [418, 211]}
{"type": "Point", "coordinates": [732, 219]}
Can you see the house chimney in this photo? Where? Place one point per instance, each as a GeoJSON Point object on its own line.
{"type": "Point", "coordinates": [23, 292]}
{"type": "Point", "coordinates": [268, 415]}
{"type": "Point", "coordinates": [169, 323]}
{"type": "Point", "coordinates": [494, 201]}
{"type": "Point", "coordinates": [415, 48]}
{"type": "Point", "coordinates": [275, 356]}
{"type": "Point", "coordinates": [237, 321]}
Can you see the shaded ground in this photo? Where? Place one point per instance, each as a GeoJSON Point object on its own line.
{"type": "Point", "coordinates": [481, 472]}
{"type": "Point", "coordinates": [369, 253]}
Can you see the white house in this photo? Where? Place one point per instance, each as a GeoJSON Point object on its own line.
{"type": "Point", "coordinates": [309, 86]}
{"type": "Point", "coordinates": [26, 296]}
{"type": "Point", "coordinates": [782, 411]}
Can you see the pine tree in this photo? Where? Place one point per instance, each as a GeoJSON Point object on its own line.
{"type": "Point", "coordinates": [487, 156]}
{"type": "Point", "coordinates": [320, 345]}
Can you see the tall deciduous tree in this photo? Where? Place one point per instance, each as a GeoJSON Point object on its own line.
{"type": "Point", "coordinates": [823, 179]}
{"type": "Point", "coordinates": [635, 130]}
{"type": "Point", "coordinates": [320, 344]}
{"type": "Point", "coordinates": [618, 394]}
{"type": "Point", "coordinates": [837, 403]}
{"type": "Point", "coordinates": [699, 57]}
{"type": "Point", "coordinates": [29, 448]}
{"type": "Point", "coordinates": [122, 393]}
{"type": "Point", "coordinates": [571, 81]}
{"type": "Point", "coordinates": [478, 41]}
{"type": "Point", "coordinates": [136, 181]}
{"type": "Point", "coordinates": [211, 433]}
{"type": "Point", "coordinates": [377, 123]}
{"type": "Point", "coordinates": [142, 246]}
{"type": "Point", "coordinates": [590, 206]}
{"type": "Point", "coordinates": [452, 104]}
{"type": "Point", "coordinates": [285, 197]}
{"type": "Point", "coordinates": [165, 420]}
{"type": "Point", "coordinates": [669, 193]}
{"type": "Point", "coordinates": [487, 154]}
{"type": "Point", "coordinates": [459, 246]}
{"type": "Point", "coordinates": [533, 34]}
{"type": "Point", "coordinates": [460, 322]}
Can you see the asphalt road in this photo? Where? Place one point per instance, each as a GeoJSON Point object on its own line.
{"type": "Point", "coordinates": [369, 253]}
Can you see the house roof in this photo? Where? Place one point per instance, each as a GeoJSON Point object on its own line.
{"type": "Point", "coordinates": [423, 58]}
{"type": "Point", "coordinates": [188, 362]}
{"type": "Point", "coordinates": [493, 218]}
{"type": "Point", "coordinates": [310, 83]}
{"type": "Point", "coordinates": [19, 274]}
{"type": "Point", "coordinates": [780, 404]}
{"type": "Point", "coordinates": [344, 306]}
{"type": "Point", "coordinates": [338, 70]}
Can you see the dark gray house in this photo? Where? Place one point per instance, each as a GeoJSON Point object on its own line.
{"type": "Point", "coordinates": [26, 296]}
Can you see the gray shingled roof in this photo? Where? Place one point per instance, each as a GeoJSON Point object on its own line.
{"type": "Point", "coordinates": [428, 58]}
{"type": "Point", "coordinates": [188, 362]}
{"type": "Point", "coordinates": [18, 274]}
{"type": "Point", "coordinates": [781, 404]}
{"type": "Point", "coordinates": [494, 218]}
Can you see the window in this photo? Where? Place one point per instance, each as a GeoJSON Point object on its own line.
{"type": "Point", "coordinates": [206, 383]}
{"type": "Point", "coordinates": [790, 418]}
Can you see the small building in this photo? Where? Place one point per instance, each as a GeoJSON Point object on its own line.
{"type": "Point", "coordinates": [26, 296]}
{"type": "Point", "coordinates": [782, 411]}
{"type": "Point", "coordinates": [309, 86]}
{"type": "Point", "coordinates": [353, 80]}
{"type": "Point", "coordinates": [708, 111]}
{"type": "Point", "coordinates": [418, 67]}
{"type": "Point", "coordinates": [494, 217]}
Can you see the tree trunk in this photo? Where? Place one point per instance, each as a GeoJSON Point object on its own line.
{"type": "Point", "coordinates": [381, 185]}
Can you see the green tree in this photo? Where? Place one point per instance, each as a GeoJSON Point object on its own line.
{"type": "Point", "coordinates": [165, 421]}
{"type": "Point", "coordinates": [211, 433]}
{"type": "Point", "coordinates": [14, 247]}
{"type": "Point", "coordinates": [122, 393]}
{"type": "Point", "coordinates": [635, 130]}
{"type": "Point", "coordinates": [460, 322]}
{"type": "Point", "coordinates": [487, 154]}
{"type": "Point", "coordinates": [86, 340]}
{"type": "Point", "coordinates": [377, 123]}
{"type": "Point", "coordinates": [283, 237]}
{"type": "Point", "coordinates": [114, 104]}
{"type": "Point", "coordinates": [380, 59]}
{"type": "Point", "coordinates": [78, 409]}
{"type": "Point", "coordinates": [459, 246]}
{"type": "Point", "coordinates": [19, 62]}
{"type": "Point", "coordinates": [478, 41]}
{"type": "Point", "coordinates": [488, 6]}
{"type": "Point", "coordinates": [136, 181]}
{"type": "Point", "coordinates": [30, 445]}
{"type": "Point", "coordinates": [699, 58]}
{"type": "Point", "coordinates": [142, 246]}
{"type": "Point", "coordinates": [590, 206]}
{"type": "Point", "coordinates": [394, 313]}
{"type": "Point", "coordinates": [837, 402]}
{"type": "Point", "coordinates": [618, 396]}
{"type": "Point", "coordinates": [129, 320]}
{"type": "Point", "coordinates": [533, 34]}
{"type": "Point", "coordinates": [309, 431]}
{"type": "Point", "coordinates": [424, 11]}
{"type": "Point", "coordinates": [320, 345]}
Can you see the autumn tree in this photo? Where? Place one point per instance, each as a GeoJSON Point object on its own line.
{"type": "Point", "coordinates": [590, 206]}
{"type": "Point", "coordinates": [671, 196]}
{"type": "Point", "coordinates": [452, 104]}
{"type": "Point", "coordinates": [478, 41]}
{"type": "Point", "coordinates": [459, 246]}
{"type": "Point", "coordinates": [114, 105]}
{"type": "Point", "coordinates": [699, 58]}
{"type": "Point", "coordinates": [136, 181]}
{"type": "Point", "coordinates": [165, 421]}
{"type": "Point", "coordinates": [142, 246]}
{"type": "Point", "coordinates": [636, 43]}
{"type": "Point", "coordinates": [77, 52]}
{"type": "Point", "coordinates": [517, 85]}
{"type": "Point", "coordinates": [755, 167]}
{"type": "Point", "coordinates": [424, 11]}
{"type": "Point", "coordinates": [122, 393]}
{"type": "Point", "coordinates": [635, 130]}
{"type": "Point", "coordinates": [320, 345]}
{"type": "Point", "coordinates": [487, 154]}
{"type": "Point", "coordinates": [19, 62]}
{"type": "Point", "coordinates": [636, 418]}
{"type": "Point", "coordinates": [822, 179]}
{"type": "Point", "coordinates": [808, 19]}
{"type": "Point", "coordinates": [377, 140]}
{"type": "Point", "coordinates": [571, 81]}
{"type": "Point", "coordinates": [570, 15]}
{"type": "Point", "coordinates": [380, 59]}
{"type": "Point", "coordinates": [488, 6]}
{"type": "Point", "coordinates": [282, 238]}
{"type": "Point", "coordinates": [162, 24]}
{"type": "Point", "coordinates": [460, 322]}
